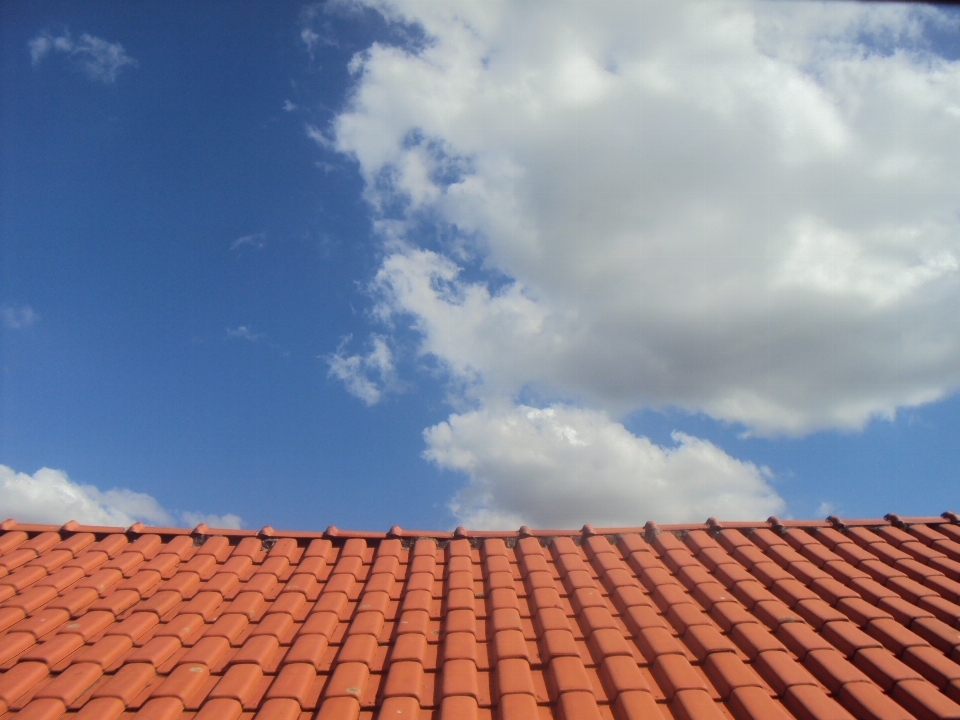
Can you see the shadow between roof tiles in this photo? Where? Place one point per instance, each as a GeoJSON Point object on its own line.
{"type": "Point", "coordinates": [840, 619]}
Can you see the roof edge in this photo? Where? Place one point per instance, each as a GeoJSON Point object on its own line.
{"type": "Point", "coordinates": [710, 525]}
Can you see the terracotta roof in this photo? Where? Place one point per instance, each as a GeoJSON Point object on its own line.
{"type": "Point", "coordinates": [819, 620]}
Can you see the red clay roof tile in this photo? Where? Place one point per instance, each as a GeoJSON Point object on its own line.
{"type": "Point", "coordinates": [18, 680]}
{"type": "Point", "coordinates": [183, 683]}
{"type": "Point", "coordinates": [755, 620]}
{"type": "Point", "coordinates": [240, 683]}
{"type": "Point", "coordinates": [156, 652]}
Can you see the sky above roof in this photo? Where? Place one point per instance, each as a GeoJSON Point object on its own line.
{"type": "Point", "coordinates": [491, 264]}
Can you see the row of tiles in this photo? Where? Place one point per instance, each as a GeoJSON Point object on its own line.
{"type": "Point", "coordinates": [604, 596]}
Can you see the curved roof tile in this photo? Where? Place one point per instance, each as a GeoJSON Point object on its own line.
{"type": "Point", "coordinates": [755, 621]}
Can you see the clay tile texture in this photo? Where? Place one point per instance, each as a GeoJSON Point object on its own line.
{"type": "Point", "coordinates": [753, 621]}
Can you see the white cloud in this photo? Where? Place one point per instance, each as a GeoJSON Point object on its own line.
{"type": "Point", "coordinates": [256, 240]}
{"type": "Point", "coordinates": [17, 317]}
{"type": "Point", "coordinates": [49, 496]}
{"type": "Point", "coordinates": [746, 209]}
{"type": "Point", "coordinates": [316, 134]}
{"type": "Point", "coordinates": [316, 26]}
{"type": "Point", "coordinates": [229, 521]}
{"type": "Point", "coordinates": [242, 332]}
{"type": "Point", "coordinates": [489, 341]}
{"type": "Point", "coordinates": [825, 509]}
{"type": "Point", "coordinates": [562, 467]}
{"type": "Point", "coordinates": [289, 106]}
{"type": "Point", "coordinates": [357, 372]}
{"type": "Point", "coordinates": [310, 39]}
{"type": "Point", "coordinates": [99, 59]}
{"type": "Point", "coordinates": [40, 46]}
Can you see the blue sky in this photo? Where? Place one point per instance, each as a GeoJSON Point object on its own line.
{"type": "Point", "coordinates": [421, 265]}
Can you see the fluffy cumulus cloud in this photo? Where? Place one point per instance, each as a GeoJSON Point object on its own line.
{"type": "Point", "coordinates": [745, 209]}
{"type": "Point", "coordinates": [98, 59]}
{"type": "Point", "coordinates": [565, 466]}
{"type": "Point", "coordinates": [50, 496]}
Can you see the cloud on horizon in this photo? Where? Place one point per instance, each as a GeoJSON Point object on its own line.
{"type": "Point", "coordinates": [565, 467]}
{"type": "Point", "coordinates": [100, 60]}
{"type": "Point", "coordinates": [50, 496]}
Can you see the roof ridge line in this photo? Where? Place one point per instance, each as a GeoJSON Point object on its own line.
{"type": "Point", "coordinates": [711, 524]}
